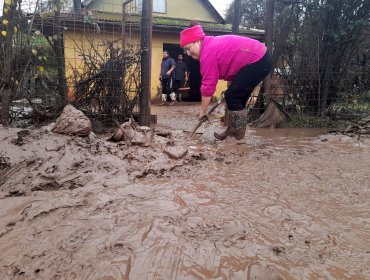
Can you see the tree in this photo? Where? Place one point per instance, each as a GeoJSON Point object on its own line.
{"type": "Point", "coordinates": [327, 37]}
{"type": "Point", "coordinates": [318, 42]}
{"type": "Point", "coordinates": [8, 28]}
{"type": "Point", "coordinates": [252, 13]}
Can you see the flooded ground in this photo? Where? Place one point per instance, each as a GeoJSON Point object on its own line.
{"type": "Point", "coordinates": [281, 204]}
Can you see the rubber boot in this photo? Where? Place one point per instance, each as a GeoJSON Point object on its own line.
{"type": "Point", "coordinates": [179, 97]}
{"type": "Point", "coordinates": [164, 100]}
{"type": "Point", "coordinates": [237, 124]}
{"type": "Point", "coordinates": [173, 98]}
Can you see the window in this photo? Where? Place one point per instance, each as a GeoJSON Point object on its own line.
{"type": "Point", "coordinates": [159, 6]}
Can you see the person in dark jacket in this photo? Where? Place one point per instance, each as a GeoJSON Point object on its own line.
{"type": "Point", "coordinates": [181, 76]}
{"type": "Point", "coordinates": [166, 76]}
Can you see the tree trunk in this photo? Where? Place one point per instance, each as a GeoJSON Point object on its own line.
{"type": "Point", "coordinates": [327, 53]}
{"type": "Point", "coordinates": [6, 65]}
{"type": "Point", "coordinates": [6, 100]}
{"type": "Point", "coordinates": [237, 17]}
{"type": "Point", "coordinates": [281, 39]}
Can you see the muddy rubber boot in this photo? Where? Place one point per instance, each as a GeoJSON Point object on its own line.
{"type": "Point", "coordinates": [164, 100]}
{"type": "Point", "coordinates": [173, 98]}
{"type": "Point", "coordinates": [237, 124]}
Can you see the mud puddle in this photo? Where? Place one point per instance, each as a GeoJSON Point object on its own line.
{"type": "Point", "coordinates": [282, 205]}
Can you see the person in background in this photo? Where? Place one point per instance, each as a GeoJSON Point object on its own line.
{"type": "Point", "coordinates": [166, 76]}
{"type": "Point", "coordinates": [243, 61]}
{"type": "Point", "coordinates": [181, 76]}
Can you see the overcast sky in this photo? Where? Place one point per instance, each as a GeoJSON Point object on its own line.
{"type": "Point", "coordinates": [221, 5]}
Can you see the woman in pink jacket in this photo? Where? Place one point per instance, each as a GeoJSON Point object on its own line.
{"type": "Point", "coordinates": [243, 61]}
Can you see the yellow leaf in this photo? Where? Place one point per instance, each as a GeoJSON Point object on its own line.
{"type": "Point", "coordinates": [41, 68]}
{"type": "Point", "coordinates": [15, 29]}
{"type": "Point", "coordinates": [34, 52]}
{"type": "Point", "coordinates": [8, 2]}
{"type": "Point", "coordinates": [3, 33]}
{"type": "Point", "coordinates": [40, 58]}
{"type": "Point", "coordinates": [5, 22]}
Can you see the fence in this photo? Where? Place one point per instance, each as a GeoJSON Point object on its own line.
{"type": "Point", "coordinates": [96, 55]}
{"type": "Point", "coordinates": [62, 51]}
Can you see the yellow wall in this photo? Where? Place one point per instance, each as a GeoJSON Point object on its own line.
{"type": "Point", "coordinates": [80, 41]}
{"type": "Point", "coordinates": [188, 9]}
{"type": "Point", "coordinates": [73, 41]}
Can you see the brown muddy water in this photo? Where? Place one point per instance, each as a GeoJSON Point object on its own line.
{"type": "Point", "coordinates": [281, 204]}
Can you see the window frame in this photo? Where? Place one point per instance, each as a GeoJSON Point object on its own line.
{"type": "Point", "coordinates": [140, 3]}
{"type": "Point", "coordinates": [164, 7]}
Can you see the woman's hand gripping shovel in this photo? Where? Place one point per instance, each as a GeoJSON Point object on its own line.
{"type": "Point", "coordinates": [205, 117]}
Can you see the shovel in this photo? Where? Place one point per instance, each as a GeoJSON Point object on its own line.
{"type": "Point", "coordinates": [204, 118]}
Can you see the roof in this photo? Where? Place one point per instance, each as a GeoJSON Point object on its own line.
{"type": "Point", "coordinates": [171, 24]}
{"type": "Point", "coordinates": [107, 21]}
{"type": "Point", "coordinates": [206, 3]}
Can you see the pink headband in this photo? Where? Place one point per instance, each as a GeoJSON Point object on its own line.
{"type": "Point", "coordinates": [191, 35]}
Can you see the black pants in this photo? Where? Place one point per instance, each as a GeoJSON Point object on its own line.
{"type": "Point", "coordinates": [167, 85]}
{"type": "Point", "coordinates": [178, 84]}
{"type": "Point", "coordinates": [245, 81]}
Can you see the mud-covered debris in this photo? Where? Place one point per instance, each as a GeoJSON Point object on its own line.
{"type": "Point", "coordinates": [15, 193]}
{"type": "Point", "coordinates": [278, 250]}
{"type": "Point", "coordinates": [175, 152]}
{"type": "Point", "coordinates": [163, 133]}
{"type": "Point", "coordinates": [47, 186]}
{"type": "Point", "coordinates": [72, 122]}
{"type": "Point", "coordinates": [4, 162]}
{"type": "Point", "coordinates": [363, 127]}
{"type": "Point", "coordinates": [198, 156]}
{"type": "Point", "coordinates": [55, 147]}
{"type": "Point", "coordinates": [20, 137]}
{"type": "Point", "coordinates": [130, 131]}
{"type": "Point", "coordinates": [273, 116]}
{"type": "Point", "coordinates": [92, 136]}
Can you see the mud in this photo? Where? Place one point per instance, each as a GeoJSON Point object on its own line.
{"type": "Point", "coordinates": [281, 204]}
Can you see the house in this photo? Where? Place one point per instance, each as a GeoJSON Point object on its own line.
{"type": "Point", "coordinates": [104, 20]}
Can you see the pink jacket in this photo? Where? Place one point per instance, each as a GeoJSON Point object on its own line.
{"type": "Point", "coordinates": [221, 58]}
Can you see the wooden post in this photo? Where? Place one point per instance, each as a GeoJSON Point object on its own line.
{"type": "Point", "coordinates": [59, 54]}
{"type": "Point", "coordinates": [146, 54]}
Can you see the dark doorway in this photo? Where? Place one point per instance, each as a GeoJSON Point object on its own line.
{"type": "Point", "coordinates": [195, 78]}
